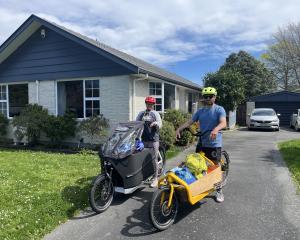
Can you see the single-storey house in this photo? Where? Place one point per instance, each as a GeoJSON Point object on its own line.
{"type": "Point", "coordinates": [283, 102]}
{"type": "Point", "coordinates": [61, 70]}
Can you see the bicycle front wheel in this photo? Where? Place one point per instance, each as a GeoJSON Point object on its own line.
{"type": "Point", "coordinates": [101, 194]}
{"type": "Point", "coordinates": [161, 215]}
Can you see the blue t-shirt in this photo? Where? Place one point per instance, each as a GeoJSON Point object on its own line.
{"type": "Point", "coordinates": [209, 118]}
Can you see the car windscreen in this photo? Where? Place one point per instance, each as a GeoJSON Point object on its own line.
{"type": "Point", "coordinates": [263, 113]}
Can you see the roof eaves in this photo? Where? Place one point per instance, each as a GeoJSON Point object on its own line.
{"type": "Point", "coordinates": [171, 80]}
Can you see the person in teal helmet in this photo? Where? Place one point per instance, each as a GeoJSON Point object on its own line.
{"type": "Point", "coordinates": [211, 118]}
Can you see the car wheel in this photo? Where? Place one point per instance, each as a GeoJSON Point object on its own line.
{"type": "Point", "coordinates": [296, 127]}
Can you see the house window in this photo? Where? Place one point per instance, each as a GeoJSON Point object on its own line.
{"type": "Point", "coordinates": [3, 100]}
{"type": "Point", "coordinates": [18, 98]}
{"type": "Point", "coordinates": [13, 98]}
{"type": "Point", "coordinates": [169, 96]}
{"type": "Point", "coordinates": [70, 98]}
{"type": "Point", "coordinates": [155, 90]}
{"type": "Point", "coordinates": [92, 98]}
{"type": "Point", "coordinates": [82, 98]}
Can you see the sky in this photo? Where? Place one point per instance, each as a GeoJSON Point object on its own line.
{"type": "Point", "coordinates": [188, 37]}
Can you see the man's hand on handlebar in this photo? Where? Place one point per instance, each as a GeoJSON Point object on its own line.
{"type": "Point", "coordinates": [213, 134]}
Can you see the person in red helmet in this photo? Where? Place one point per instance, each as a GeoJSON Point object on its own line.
{"type": "Point", "coordinates": [150, 134]}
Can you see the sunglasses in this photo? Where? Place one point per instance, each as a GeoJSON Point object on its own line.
{"type": "Point", "coordinates": [208, 96]}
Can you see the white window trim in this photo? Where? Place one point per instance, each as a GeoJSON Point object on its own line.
{"type": "Point", "coordinates": [84, 97]}
{"type": "Point", "coordinates": [90, 98]}
{"type": "Point", "coordinates": [162, 96]}
{"type": "Point", "coordinates": [5, 101]}
{"type": "Point", "coordinates": [7, 96]}
{"type": "Point", "coordinates": [158, 96]}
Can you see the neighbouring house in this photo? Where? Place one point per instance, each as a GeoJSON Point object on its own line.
{"type": "Point", "coordinates": [47, 64]}
{"type": "Point", "coordinates": [284, 102]}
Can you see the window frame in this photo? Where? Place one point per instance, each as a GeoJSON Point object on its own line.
{"type": "Point", "coordinates": [7, 95]}
{"type": "Point", "coordinates": [158, 96]}
{"type": "Point", "coordinates": [85, 99]}
{"type": "Point", "coordinates": [84, 95]}
{"type": "Point", "coordinates": [6, 101]}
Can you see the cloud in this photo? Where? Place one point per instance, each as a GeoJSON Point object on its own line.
{"type": "Point", "coordinates": [162, 32]}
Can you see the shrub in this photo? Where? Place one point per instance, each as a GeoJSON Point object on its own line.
{"type": "Point", "coordinates": [186, 138]}
{"type": "Point", "coordinates": [175, 117]}
{"type": "Point", "coordinates": [167, 133]}
{"type": "Point", "coordinates": [30, 122]}
{"type": "Point", "coordinates": [3, 124]}
{"type": "Point", "coordinates": [193, 129]}
{"type": "Point", "coordinates": [58, 128]}
{"type": "Point", "coordinates": [94, 126]}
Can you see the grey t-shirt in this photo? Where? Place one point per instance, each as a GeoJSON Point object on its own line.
{"type": "Point", "coordinates": [150, 134]}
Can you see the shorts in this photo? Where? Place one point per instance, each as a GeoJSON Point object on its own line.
{"type": "Point", "coordinates": [214, 154]}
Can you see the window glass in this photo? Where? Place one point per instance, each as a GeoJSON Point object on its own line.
{"type": "Point", "coordinates": [3, 92]}
{"type": "Point", "coordinates": [92, 98]}
{"type": "Point", "coordinates": [70, 98]}
{"type": "Point", "coordinates": [169, 96]}
{"type": "Point", "coordinates": [3, 108]}
{"type": "Point", "coordinates": [155, 90]}
{"type": "Point", "coordinates": [18, 98]}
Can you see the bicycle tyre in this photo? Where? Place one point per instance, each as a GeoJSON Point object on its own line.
{"type": "Point", "coordinates": [163, 166]}
{"type": "Point", "coordinates": [225, 166]}
{"type": "Point", "coordinates": [160, 215]}
{"type": "Point", "coordinates": [101, 194]}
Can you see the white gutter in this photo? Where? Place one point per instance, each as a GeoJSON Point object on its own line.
{"type": "Point", "coordinates": [145, 77]}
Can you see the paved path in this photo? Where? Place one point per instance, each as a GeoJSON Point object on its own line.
{"type": "Point", "coordinates": [260, 201]}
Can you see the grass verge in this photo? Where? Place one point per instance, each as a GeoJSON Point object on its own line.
{"type": "Point", "coordinates": [290, 151]}
{"type": "Point", "coordinates": [173, 152]}
{"type": "Point", "coordinates": [41, 190]}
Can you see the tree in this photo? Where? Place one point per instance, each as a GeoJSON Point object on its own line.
{"type": "Point", "coordinates": [258, 79]}
{"type": "Point", "coordinates": [283, 56]}
{"type": "Point", "coordinates": [230, 85]}
{"type": "Point", "coordinates": [278, 61]}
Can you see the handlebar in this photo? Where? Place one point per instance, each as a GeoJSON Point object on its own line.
{"type": "Point", "coordinates": [200, 134]}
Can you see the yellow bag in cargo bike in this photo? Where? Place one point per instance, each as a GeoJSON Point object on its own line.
{"type": "Point", "coordinates": [196, 164]}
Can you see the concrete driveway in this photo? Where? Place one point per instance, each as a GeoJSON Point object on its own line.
{"type": "Point", "coordinates": [260, 201]}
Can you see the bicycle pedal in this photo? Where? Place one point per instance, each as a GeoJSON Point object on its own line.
{"type": "Point", "coordinates": [218, 185]}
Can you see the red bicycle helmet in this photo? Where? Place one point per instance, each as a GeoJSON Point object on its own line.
{"type": "Point", "coordinates": [150, 100]}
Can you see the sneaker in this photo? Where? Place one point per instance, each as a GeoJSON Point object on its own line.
{"type": "Point", "coordinates": [219, 196]}
{"type": "Point", "coordinates": [154, 183]}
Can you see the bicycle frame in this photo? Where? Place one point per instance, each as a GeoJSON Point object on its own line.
{"type": "Point", "coordinates": [177, 184]}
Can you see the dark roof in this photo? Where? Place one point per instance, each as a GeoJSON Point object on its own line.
{"type": "Point", "coordinates": [280, 96]}
{"type": "Point", "coordinates": [125, 59]}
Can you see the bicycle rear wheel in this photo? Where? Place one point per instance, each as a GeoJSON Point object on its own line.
{"type": "Point", "coordinates": [161, 215]}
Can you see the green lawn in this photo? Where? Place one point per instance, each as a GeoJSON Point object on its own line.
{"type": "Point", "coordinates": [291, 154]}
{"type": "Point", "coordinates": [41, 190]}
